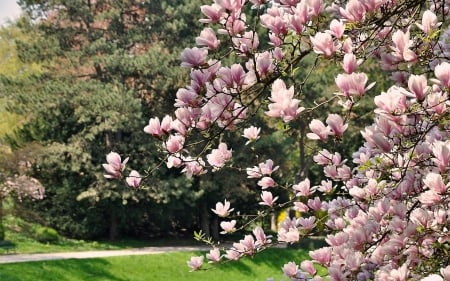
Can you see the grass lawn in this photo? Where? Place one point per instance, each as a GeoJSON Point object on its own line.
{"type": "Point", "coordinates": [160, 267]}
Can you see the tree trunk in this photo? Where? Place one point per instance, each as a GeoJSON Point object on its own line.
{"type": "Point", "coordinates": [204, 219]}
{"type": "Point", "coordinates": [2, 229]}
{"type": "Point", "coordinates": [215, 228]}
{"type": "Point", "coordinates": [113, 224]}
{"type": "Point", "coordinates": [273, 222]}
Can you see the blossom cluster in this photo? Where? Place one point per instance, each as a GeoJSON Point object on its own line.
{"type": "Point", "coordinates": [389, 216]}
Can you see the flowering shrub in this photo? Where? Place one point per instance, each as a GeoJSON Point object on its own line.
{"type": "Point", "coordinates": [389, 216]}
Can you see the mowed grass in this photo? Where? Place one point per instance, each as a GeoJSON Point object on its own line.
{"type": "Point", "coordinates": [158, 267]}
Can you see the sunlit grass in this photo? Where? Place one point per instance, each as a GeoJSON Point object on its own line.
{"type": "Point", "coordinates": [159, 267]}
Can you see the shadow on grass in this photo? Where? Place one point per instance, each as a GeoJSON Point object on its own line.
{"type": "Point", "coordinates": [88, 269]}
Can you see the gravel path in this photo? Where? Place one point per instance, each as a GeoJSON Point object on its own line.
{"type": "Point", "coordinates": [13, 258]}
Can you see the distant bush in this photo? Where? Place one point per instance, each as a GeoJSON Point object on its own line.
{"type": "Point", "coordinates": [46, 234]}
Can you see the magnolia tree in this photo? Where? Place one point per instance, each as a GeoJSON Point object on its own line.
{"type": "Point", "coordinates": [385, 211]}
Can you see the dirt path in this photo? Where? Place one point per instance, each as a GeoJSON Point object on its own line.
{"type": "Point", "coordinates": [13, 258]}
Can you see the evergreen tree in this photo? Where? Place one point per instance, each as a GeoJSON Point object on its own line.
{"type": "Point", "coordinates": [103, 66]}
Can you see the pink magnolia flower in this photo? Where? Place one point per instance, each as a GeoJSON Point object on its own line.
{"type": "Point", "coordinates": [207, 38]}
{"type": "Point", "coordinates": [290, 269]}
{"type": "Point", "coordinates": [350, 63]}
{"type": "Point", "coordinates": [300, 207]}
{"type": "Point", "coordinates": [134, 179]}
{"type": "Point", "coordinates": [218, 157]}
{"type": "Point", "coordinates": [228, 226]}
{"type": "Point", "coordinates": [354, 11]}
{"type": "Point", "coordinates": [252, 134]}
{"type": "Point", "coordinates": [337, 28]}
{"type": "Point", "coordinates": [307, 223]}
{"type": "Point", "coordinates": [268, 198]}
{"type": "Point", "coordinates": [246, 246]}
{"type": "Point", "coordinates": [402, 45]}
{"type": "Point", "coordinates": [193, 57]}
{"type": "Point", "coordinates": [417, 84]}
{"type": "Point", "coordinates": [233, 76]}
{"type": "Point", "coordinates": [154, 127]}
{"type": "Point", "coordinates": [213, 13]}
{"type": "Point", "coordinates": [187, 97]}
{"type": "Point", "coordinates": [353, 84]}
{"type": "Point", "coordinates": [441, 152]}
{"type": "Point", "coordinates": [214, 255]}
{"type": "Point", "coordinates": [319, 131]}
{"type": "Point", "coordinates": [322, 255]}
{"type": "Point", "coordinates": [435, 182]}
{"type": "Point", "coordinates": [283, 103]}
{"type": "Point", "coordinates": [115, 166]}
{"type": "Point", "coordinates": [266, 182]}
{"type": "Point", "coordinates": [246, 43]}
{"type": "Point", "coordinates": [445, 271]}
{"type": "Point", "coordinates": [429, 197]}
{"type": "Point", "coordinates": [193, 167]}
{"type": "Point", "coordinates": [323, 44]}
{"type": "Point", "coordinates": [174, 143]}
{"type": "Point", "coordinates": [195, 262]}
{"type": "Point", "coordinates": [232, 254]}
{"type": "Point", "coordinates": [290, 235]}
{"type": "Point", "coordinates": [303, 188]}
{"type": "Point", "coordinates": [222, 210]}
{"type": "Point", "coordinates": [429, 22]}
{"type": "Point", "coordinates": [336, 125]}
{"type": "Point", "coordinates": [174, 161]}
{"type": "Point", "coordinates": [308, 266]}
{"type": "Point", "coordinates": [261, 238]}
{"type": "Point", "coordinates": [432, 277]}
{"type": "Point", "coordinates": [442, 72]}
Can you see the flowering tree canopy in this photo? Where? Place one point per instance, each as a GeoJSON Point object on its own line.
{"type": "Point", "coordinates": [385, 211]}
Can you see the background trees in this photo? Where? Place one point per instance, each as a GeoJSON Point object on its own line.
{"type": "Point", "coordinates": [106, 66]}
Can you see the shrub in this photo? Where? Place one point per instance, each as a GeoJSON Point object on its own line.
{"type": "Point", "coordinates": [46, 235]}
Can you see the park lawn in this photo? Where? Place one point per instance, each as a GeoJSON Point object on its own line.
{"type": "Point", "coordinates": [158, 267]}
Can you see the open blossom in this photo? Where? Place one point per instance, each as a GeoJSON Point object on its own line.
{"type": "Point", "coordinates": [350, 63]}
{"type": "Point", "coordinates": [336, 125]}
{"type": "Point", "coordinates": [207, 38]}
{"type": "Point", "coordinates": [417, 84]}
{"type": "Point", "coordinates": [193, 57]}
{"type": "Point", "coordinates": [222, 210]}
{"type": "Point", "coordinates": [402, 45]}
{"type": "Point", "coordinates": [268, 198]}
{"type": "Point", "coordinates": [263, 169]}
{"type": "Point", "coordinates": [134, 179]}
{"type": "Point", "coordinates": [353, 84]}
{"type": "Point", "coordinates": [442, 72]}
{"type": "Point", "coordinates": [174, 143]}
{"type": "Point", "coordinates": [266, 182]}
{"type": "Point", "coordinates": [218, 157]}
{"type": "Point", "coordinates": [319, 131]}
{"type": "Point", "coordinates": [115, 166]}
{"type": "Point", "coordinates": [228, 226]}
{"type": "Point", "coordinates": [214, 255]}
{"type": "Point", "coordinates": [195, 262]}
{"type": "Point", "coordinates": [337, 28]}
{"type": "Point", "coordinates": [303, 188]}
{"type": "Point", "coordinates": [323, 44]}
{"type": "Point", "coordinates": [213, 13]}
{"type": "Point", "coordinates": [251, 133]}
{"type": "Point", "coordinates": [429, 22]}
{"type": "Point", "coordinates": [283, 104]}
{"type": "Point", "coordinates": [290, 269]}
